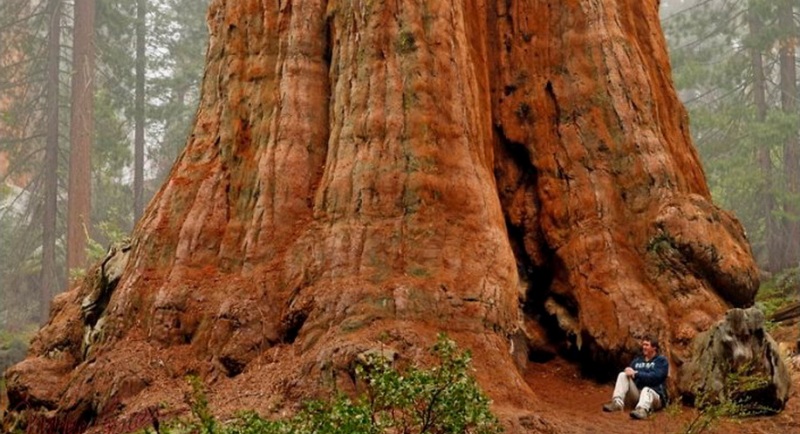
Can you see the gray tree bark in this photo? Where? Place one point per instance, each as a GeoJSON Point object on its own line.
{"type": "Point", "coordinates": [791, 148]}
{"type": "Point", "coordinates": [141, 64]}
{"type": "Point", "coordinates": [49, 279]}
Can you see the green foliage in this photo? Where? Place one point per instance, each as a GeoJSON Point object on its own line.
{"type": "Point", "coordinates": [206, 423]}
{"type": "Point", "coordinates": [19, 266]}
{"type": "Point", "coordinates": [713, 44]}
{"type": "Point", "coordinates": [444, 398]}
{"type": "Point", "coordinates": [14, 346]}
{"type": "Point", "coordinates": [778, 291]}
{"type": "Point", "coordinates": [176, 38]}
{"type": "Point", "coordinates": [178, 28]}
{"type": "Point", "coordinates": [406, 43]}
{"type": "Point", "coordinates": [23, 31]}
{"type": "Point", "coordinates": [733, 401]}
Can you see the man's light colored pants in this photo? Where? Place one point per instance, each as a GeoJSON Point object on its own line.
{"type": "Point", "coordinates": [626, 391]}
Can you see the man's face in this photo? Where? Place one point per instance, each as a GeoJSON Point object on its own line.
{"type": "Point", "coordinates": [648, 349]}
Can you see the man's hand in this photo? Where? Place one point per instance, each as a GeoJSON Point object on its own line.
{"type": "Point", "coordinates": [630, 372]}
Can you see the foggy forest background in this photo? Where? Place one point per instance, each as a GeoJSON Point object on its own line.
{"type": "Point", "coordinates": [734, 66]}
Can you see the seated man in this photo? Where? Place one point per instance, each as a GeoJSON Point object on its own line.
{"type": "Point", "coordinates": [642, 382]}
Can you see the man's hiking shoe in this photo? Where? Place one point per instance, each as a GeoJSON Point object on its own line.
{"type": "Point", "coordinates": [639, 413]}
{"type": "Point", "coordinates": [612, 406]}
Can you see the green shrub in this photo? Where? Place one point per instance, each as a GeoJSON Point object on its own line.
{"type": "Point", "coordinates": [783, 288]}
{"type": "Point", "coordinates": [441, 399]}
{"type": "Point", "coordinates": [734, 401]}
{"type": "Point", "coordinates": [13, 347]}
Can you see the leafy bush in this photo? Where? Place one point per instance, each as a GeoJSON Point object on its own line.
{"type": "Point", "coordinates": [13, 347]}
{"type": "Point", "coordinates": [734, 401]}
{"type": "Point", "coordinates": [777, 292]}
{"type": "Point", "coordinates": [442, 399]}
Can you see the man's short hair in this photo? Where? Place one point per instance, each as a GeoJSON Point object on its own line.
{"type": "Point", "coordinates": [653, 342]}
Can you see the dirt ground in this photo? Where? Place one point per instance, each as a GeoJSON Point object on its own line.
{"type": "Point", "coordinates": [574, 404]}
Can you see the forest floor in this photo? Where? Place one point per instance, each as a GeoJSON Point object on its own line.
{"type": "Point", "coordinates": [571, 404]}
{"type": "Point", "coordinates": [574, 404]}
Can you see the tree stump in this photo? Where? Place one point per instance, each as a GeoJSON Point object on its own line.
{"type": "Point", "coordinates": [737, 362]}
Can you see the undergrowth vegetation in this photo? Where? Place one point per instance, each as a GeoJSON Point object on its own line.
{"type": "Point", "coordinates": [14, 345]}
{"type": "Point", "coordinates": [779, 291]}
{"type": "Point", "coordinates": [441, 399]}
{"type": "Point", "coordinates": [733, 401]}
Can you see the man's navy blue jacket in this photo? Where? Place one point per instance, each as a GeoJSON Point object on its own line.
{"type": "Point", "coordinates": [652, 374]}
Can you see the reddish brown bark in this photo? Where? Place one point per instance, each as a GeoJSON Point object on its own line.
{"type": "Point", "coordinates": [368, 173]}
{"type": "Point", "coordinates": [80, 136]}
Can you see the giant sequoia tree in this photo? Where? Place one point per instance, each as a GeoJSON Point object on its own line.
{"type": "Point", "coordinates": [364, 174]}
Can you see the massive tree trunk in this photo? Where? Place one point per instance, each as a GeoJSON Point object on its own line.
{"type": "Point", "coordinates": [364, 173]}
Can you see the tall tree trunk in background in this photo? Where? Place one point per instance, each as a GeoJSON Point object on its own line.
{"type": "Point", "coordinates": [141, 63]}
{"type": "Point", "coordinates": [791, 149]}
{"type": "Point", "coordinates": [365, 174]}
{"type": "Point", "coordinates": [772, 234]}
{"type": "Point", "coordinates": [81, 135]}
{"type": "Point", "coordinates": [170, 150]}
{"type": "Point", "coordinates": [50, 282]}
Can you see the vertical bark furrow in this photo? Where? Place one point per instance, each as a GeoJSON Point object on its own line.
{"type": "Point", "coordinates": [299, 137]}
{"type": "Point", "coordinates": [436, 145]}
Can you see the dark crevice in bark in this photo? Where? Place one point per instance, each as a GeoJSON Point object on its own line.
{"type": "Point", "coordinates": [94, 313]}
{"type": "Point", "coordinates": [233, 367]}
{"type": "Point", "coordinates": [86, 418]}
{"type": "Point", "coordinates": [596, 362]}
{"type": "Point", "coordinates": [292, 324]}
{"type": "Point", "coordinates": [540, 355]}
{"type": "Point", "coordinates": [568, 343]}
{"type": "Point", "coordinates": [318, 172]}
{"type": "Point", "coordinates": [536, 275]}
{"type": "Point", "coordinates": [537, 279]}
{"type": "Point", "coordinates": [329, 30]}
{"type": "Point", "coordinates": [551, 94]}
